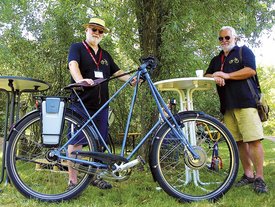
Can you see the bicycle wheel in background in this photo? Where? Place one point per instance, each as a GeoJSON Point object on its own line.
{"type": "Point", "coordinates": [208, 178]}
{"type": "Point", "coordinates": [32, 171]}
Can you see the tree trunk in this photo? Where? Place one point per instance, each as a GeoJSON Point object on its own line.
{"type": "Point", "coordinates": [150, 16]}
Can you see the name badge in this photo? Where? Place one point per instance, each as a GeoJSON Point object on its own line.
{"type": "Point", "coordinates": [98, 74]}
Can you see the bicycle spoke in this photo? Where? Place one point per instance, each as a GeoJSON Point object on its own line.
{"type": "Point", "coordinates": [33, 171]}
{"type": "Point", "coordinates": [188, 179]}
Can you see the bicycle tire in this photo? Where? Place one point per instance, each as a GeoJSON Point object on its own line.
{"type": "Point", "coordinates": [28, 166]}
{"type": "Point", "coordinates": [208, 180]}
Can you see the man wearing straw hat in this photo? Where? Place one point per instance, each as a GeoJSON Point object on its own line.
{"type": "Point", "coordinates": [87, 62]}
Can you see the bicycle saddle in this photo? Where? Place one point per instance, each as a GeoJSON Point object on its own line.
{"type": "Point", "coordinates": [85, 84]}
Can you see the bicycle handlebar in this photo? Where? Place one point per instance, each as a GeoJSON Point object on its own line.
{"type": "Point", "coordinates": [149, 62]}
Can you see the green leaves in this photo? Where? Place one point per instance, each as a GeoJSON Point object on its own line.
{"type": "Point", "coordinates": [35, 35]}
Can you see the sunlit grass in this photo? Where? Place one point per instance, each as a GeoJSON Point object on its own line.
{"type": "Point", "coordinates": [140, 190]}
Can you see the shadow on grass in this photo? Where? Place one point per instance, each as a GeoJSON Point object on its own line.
{"type": "Point", "coordinates": [140, 190]}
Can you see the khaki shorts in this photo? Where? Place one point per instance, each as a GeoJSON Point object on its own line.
{"type": "Point", "coordinates": [244, 124]}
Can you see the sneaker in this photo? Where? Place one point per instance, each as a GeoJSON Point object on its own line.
{"type": "Point", "coordinates": [71, 186]}
{"type": "Point", "coordinates": [244, 181]}
{"type": "Point", "coordinates": [102, 184]}
{"type": "Point", "coordinates": [260, 186]}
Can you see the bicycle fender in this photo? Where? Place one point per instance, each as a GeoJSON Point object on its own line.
{"type": "Point", "coordinates": [20, 120]}
{"type": "Point", "coordinates": [156, 135]}
{"type": "Point", "coordinates": [184, 113]}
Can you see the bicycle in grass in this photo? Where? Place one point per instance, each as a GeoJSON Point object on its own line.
{"type": "Point", "coordinates": [204, 170]}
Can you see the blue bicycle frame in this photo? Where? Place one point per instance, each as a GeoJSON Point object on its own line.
{"type": "Point", "coordinates": [141, 73]}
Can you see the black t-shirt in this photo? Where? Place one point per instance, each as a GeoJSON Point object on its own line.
{"type": "Point", "coordinates": [95, 97]}
{"type": "Point", "coordinates": [235, 93]}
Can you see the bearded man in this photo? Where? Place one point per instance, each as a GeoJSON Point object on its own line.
{"type": "Point", "coordinates": [87, 61]}
{"type": "Point", "coordinates": [231, 69]}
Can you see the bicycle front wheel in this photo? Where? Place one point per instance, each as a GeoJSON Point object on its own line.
{"type": "Point", "coordinates": [36, 174]}
{"type": "Point", "coordinates": [184, 178]}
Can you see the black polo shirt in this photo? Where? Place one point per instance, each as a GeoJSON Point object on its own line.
{"type": "Point", "coordinates": [235, 93]}
{"type": "Point", "coordinates": [95, 97]}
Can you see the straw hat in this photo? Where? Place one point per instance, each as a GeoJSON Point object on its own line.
{"type": "Point", "coordinates": [97, 22]}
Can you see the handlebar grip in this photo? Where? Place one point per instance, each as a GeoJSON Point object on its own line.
{"type": "Point", "coordinates": [150, 62]}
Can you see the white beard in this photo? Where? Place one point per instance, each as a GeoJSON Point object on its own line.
{"type": "Point", "coordinates": [95, 40]}
{"type": "Point", "coordinates": [227, 48]}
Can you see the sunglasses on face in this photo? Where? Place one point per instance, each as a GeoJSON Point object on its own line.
{"type": "Point", "coordinates": [226, 38]}
{"type": "Point", "coordinates": [99, 31]}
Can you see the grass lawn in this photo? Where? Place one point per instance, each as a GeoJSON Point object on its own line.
{"type": "Point", "coordinates": [140, 190]}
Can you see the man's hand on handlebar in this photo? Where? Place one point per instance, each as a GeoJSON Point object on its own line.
{"type": "Point", "coordinates": [87, 80]}
{"type": "Point", "coordinates": [134, 81]}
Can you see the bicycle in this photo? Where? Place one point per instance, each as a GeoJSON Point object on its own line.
{"type": "Point", "coordinates": [182, 170]}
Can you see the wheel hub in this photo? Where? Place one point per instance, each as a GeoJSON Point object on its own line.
{"type": "Point", "coordinates": [50, 156]}
{"type": "Point", "coordinates": [196, 163]}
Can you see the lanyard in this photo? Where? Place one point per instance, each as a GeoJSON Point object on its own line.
{"type": "Point", "coordinates": [89, 51]}
{"type": "Point", "coordinates": [222, 61]}
{"type": "Point", "coordinates": [223, 58]}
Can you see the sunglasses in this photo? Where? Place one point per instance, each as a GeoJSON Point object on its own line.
{"type": "Point", "coordinates": [226, 38]}
{"type": "Point", "coordinates": [99, 31]}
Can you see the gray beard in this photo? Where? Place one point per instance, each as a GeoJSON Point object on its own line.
{"type": "Point", "coordinates": [227, 48]}
{"type": "Point", "coordinates": [96, 41]}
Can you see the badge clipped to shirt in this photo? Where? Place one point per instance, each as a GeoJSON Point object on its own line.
{"type": "Point", "coordinates": [98, 74]}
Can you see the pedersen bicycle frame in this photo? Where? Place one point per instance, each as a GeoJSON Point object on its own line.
{"type": "Point", "coordinates": [36, 162]}
{"type": "Point", "coordinates": [140, 74]}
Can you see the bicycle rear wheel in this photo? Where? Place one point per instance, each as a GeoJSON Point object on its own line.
{"type": "Point", "coordinates": [32, 171]}
{"type": "Point", "coordinates": [192, 180]}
